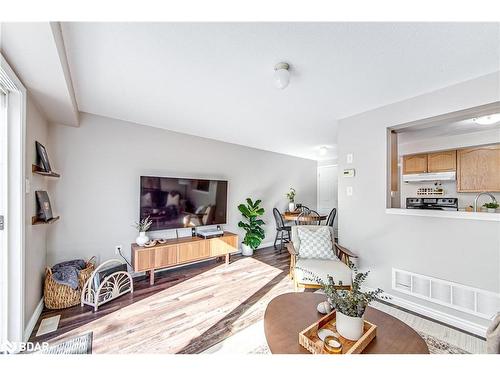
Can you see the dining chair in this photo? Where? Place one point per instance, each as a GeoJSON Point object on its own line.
{"type": "Point", "coordinates": [282, 230]}
{"type": "Point", "coordinates": [302, 209]}
{"type": "Point", "coordinates": [310, 217]}
{"type": "Point", "coordinates": [331, 217]}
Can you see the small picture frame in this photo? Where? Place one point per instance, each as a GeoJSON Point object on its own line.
{"type": "Point", "coordinates": [43, 157]}
{"type": "Point", "coordinates": [44, 207]}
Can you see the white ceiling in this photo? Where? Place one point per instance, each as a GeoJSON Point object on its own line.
{"type": "Point", "coordinates": [215, 80]}
{"type": "Point", "coordinates": [36, 53]}
{"type": "Point", "coordinates": [468, 126]}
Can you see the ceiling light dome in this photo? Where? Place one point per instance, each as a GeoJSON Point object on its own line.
{"type": "Point", "coordinates": [323, 150]}
{"type": "Point", "coordinates": [281, 75]}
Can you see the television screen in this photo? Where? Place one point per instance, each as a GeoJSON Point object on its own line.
{"type": "Point", "coordinates": [182, 202]}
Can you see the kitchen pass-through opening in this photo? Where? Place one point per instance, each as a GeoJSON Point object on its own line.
{"type": "Point", "coordinates": [446, 163]}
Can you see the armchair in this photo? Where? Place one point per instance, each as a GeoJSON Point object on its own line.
{"type": "Point", "coordinates": [337, 268]}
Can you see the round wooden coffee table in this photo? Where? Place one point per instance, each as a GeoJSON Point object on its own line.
{"type": "Point", "coordinates": [290, 313]}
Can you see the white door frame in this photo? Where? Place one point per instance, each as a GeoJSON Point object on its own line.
{"type": "Point", "coordinates": [14, 232]}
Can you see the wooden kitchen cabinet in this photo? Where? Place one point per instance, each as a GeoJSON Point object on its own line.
{"type": "Point", "coordinates": [444, 161]}
{"type": "Point", "coordinates": [478, 169]}
{"type": "Point", "coordinates": [415, 163]}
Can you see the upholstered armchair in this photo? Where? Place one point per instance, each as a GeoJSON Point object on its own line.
{"type": "Point", "coordinates": [335, 265]}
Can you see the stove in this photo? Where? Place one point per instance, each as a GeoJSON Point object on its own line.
{"type": "Point", "coordinates": [443, 204]}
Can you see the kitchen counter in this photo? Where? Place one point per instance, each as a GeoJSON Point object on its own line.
{"type": "Point", "coordinates": [486, 216]}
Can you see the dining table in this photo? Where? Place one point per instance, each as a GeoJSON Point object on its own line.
{"type": "Point", "coordinates": [307, 218]}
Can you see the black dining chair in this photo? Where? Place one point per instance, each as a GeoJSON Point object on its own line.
{"type": "Point", "coordinates": [313, 218]}
{"type": "Point", "coordinates": [331, 217]}
{"type": "Point", "coordinates": [304, 211]}
{"type": "Point", "coordinates": [282, 230]}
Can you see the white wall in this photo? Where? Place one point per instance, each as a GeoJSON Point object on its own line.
{"type": "Point", "coordinates": [36, 235]}
{"type": "Point", "coordinates": [100, 163]}
{"type": "Point", "coordinates": [464, 251]}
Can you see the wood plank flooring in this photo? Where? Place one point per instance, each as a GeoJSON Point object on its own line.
{"type": "Point", "coordinates": [187, 310]}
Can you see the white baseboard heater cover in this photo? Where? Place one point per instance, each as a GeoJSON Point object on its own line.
{"type": "Point", "coordinates": [482, 303]}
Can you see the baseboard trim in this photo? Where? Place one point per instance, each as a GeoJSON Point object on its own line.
{"type": "Point", "coordinates": [439, 316]}
{"type": "Point", "coordinates": [32, 322]}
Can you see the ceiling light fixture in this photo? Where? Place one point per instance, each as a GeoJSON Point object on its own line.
{"type": "Point", "coordinates": [487, 120]}
{"type": "Point", "coordinates": [323, 150]}
{"type": "Point", "coordinates": [281, 75]}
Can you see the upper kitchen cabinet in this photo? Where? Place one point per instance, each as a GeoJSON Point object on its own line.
{"type": "Point", "coordinates": [444, 161]}
{"type": "Point", "coordinates": [478, 169]}
{"type": "Point", "coordinates": [415, 164]}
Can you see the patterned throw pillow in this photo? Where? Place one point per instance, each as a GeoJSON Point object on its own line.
{"type": "Point", "coordinates": [315, 243]}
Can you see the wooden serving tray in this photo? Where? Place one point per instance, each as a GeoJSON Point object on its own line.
{"type": "Point", "coordinates": [309, 339]}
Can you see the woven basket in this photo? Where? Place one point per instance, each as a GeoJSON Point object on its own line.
{"type": "Point", "coordinates": [58, 296]}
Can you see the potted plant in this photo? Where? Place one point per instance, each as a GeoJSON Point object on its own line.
{"type": "Point", "coordinates": [492, 207]}
{"type": "Point", "coordinates": [142, 226]}
{"type": "Point", "coordinates": [350, 304]}
{"type": "Point", "coordinates": [291, 199]}
{"type": "Point", "coordinates": [252, 226]}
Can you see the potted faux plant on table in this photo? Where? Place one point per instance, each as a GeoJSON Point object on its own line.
{"type": "Point", "coordinates": [291, 199]}
{"type": "Point", "coordinates": [142, 226]}
{"type": "Point", "coordinates": [491, 207]}
{"type": "Point", "coordinates": [252, 226]}
{"type": "Point", "coordinates": [350, 305]}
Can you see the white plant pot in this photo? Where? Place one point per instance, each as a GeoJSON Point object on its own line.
{"type": "Point", "coordinates": [492, 210]}
{"type": "Point", "coordinates": [142, 239]}
{"type": "Point", "coordinates": [291, 207]}
{"type": "Point", "coordinates": [349, 327]}
{"type": "Point", "coordinates": [246, 250]}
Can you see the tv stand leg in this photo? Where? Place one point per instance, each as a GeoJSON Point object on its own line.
{"type": "Point", "coordinates": [151, 277]}
{"type": "Point", "coordinates": [227, 259]}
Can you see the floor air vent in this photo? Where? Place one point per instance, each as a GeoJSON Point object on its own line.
{"type": "Point", "coordinates": [464, 298]}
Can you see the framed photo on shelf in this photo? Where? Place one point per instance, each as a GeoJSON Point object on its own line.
{"type": "Point", "coordinates": [44, 207]}
{"type": "Point", "coordinates": [43, 157]}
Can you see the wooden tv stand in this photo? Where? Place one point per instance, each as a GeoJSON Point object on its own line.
{"type": "Point", "coordinates": [183, 250]}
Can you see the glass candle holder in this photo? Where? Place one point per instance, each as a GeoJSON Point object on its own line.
{"type": "Point", "coordinates": [332, 345]}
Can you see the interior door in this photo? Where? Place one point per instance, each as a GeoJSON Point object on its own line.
{"type": "Point", "coordinates": [327, 189]}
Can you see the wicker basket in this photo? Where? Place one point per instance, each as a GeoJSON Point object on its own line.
{"type": "Point", "coordinates": [58, 296]}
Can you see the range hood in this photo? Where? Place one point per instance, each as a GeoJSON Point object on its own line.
{"type": "Point", "coordinates": [441, 176]}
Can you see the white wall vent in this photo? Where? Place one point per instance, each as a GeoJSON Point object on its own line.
{"type": "Point", "coordinates": [482, 303]}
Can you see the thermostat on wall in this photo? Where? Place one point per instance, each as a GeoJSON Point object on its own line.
{"type": "Point", "coordinates": [349, 172]}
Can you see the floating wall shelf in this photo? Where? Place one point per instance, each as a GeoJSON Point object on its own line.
{"type": "Point", "coordinates": [36, 221]}
{"type": "Point", "coordinates": [39, 170]}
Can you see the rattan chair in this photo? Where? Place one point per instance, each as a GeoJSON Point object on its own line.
{"type": "Point", "coordinates": [337, 268]}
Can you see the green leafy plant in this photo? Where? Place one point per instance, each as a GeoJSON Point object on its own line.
{"type": "Point", "coordinates": [143, 225]}
{"type": "Point", "coordinates": [253, 225]}
{"type": "Point", "coordinates": [491, 205]}
{"type": "Point", "coordinates": [351, 302]}
{"type": "Point", "coordinates": [291, 195]}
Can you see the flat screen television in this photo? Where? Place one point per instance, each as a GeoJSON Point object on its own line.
{"type": "Point", "coordinates": [172, 202]}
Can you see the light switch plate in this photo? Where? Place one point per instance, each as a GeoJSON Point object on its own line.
{"type": "Point", "coordinates": [349, 158]}
{"type": "Point", "coordinates": [348, 190]}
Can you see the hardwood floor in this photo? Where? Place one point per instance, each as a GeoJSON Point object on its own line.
{"type": "Point", "coordinates": [187, 310]}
